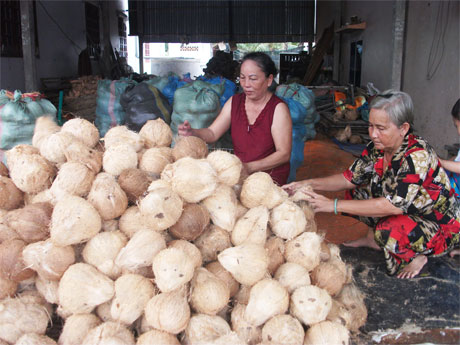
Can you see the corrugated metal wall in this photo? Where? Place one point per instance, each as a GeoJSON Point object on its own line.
{"type": "Point", "coordinates": [215, 21]}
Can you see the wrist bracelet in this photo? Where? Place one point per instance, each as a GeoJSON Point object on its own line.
{"type": "Point", "coordinates": [335, 205]}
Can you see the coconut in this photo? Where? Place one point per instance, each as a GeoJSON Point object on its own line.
{"type": "Point", "coordinates": [18, 317]}
{"type": "Point", "coordinates": [140, 250]}
{"type": "Point", "coordinates": [190, 146]}
{"type": "Point", "coordinates": [209, 294]}
{"type": "Point", "coordinates": [53, 146]}
{"type": "Point", "coordinates": [109, 333]}
{"type": "Point", "coordinates": [325, 253]}
{"type": "Point", "coordinates": [259, 189]}
{"type": "Point", "coordinates": [204, 328]}
{"type": "Point", "coordinates": [327, 333]}
{"type": "Point", "coordinates": [353, 300]}
{"type": "Point", "coordinates": [242, 296]}
{"type": "Point", "coordinates": [252, 227]}
{"type": "Point", "coordinates": [228, 166]}
{"type": "Point", "coordinates": [131, 221]}
{"type": "Point", "coordinates": [6, 233]}
{"type": "Point", "coordinates": [355, 139]}
{"type": "Point", "coordinates": [156, 133]}
{"type": "Point", "coordinates": [83, 287]}
{"type": "Point", "coordinates": [30, 295]}
{"type": "Point", "coordinates": [3, 170]}
{"type": "Point", "coordinates": [31, 173]}
{"type": "Point", "coordinates": [103, 311]}
{"type": "Point", "coordinates": [304, 250]}
{"type": "Point", "coordinates": [310, 304]}
{"type": "Point", "coordinates": [283, 329]}
{"type": "Point", "coordinates": [292, 276]}
{"type": "Point", "coordinates": [266, 299]}
{"type": "Point", "coordinates": [240, 209]}
{"type": "Point", "coordinates": [287, 220]}
{"type": "Point", "coordinates": [44, 127]}
{"type": "Point", "coordinates": [192, 222]}
{"type": "Point", "coordinates": [229, 338]}
{"type": "Point", "coordinates": [76, 327]}
{"type": "Point", "coordinates": [35, 339]}
{"type": "Point", "coordinates": [334, 253]}
{"type": "Point", "coordinates": [11, 197]}
{"type": "Point", "coordinates": [80, 153]}
{"type": "Point", "coordinates": [169, 311]}
{"type": "Point", "coordinates": [220, 272]}
{"type": "Point", "coordinates": [157, 337]}
{"type": "Point", "coordinates": [8, 287]}
{"type": "Point", "coordinates": [43, 196]}
{"type": "Point", "coordinates": [107, 197]}
{"type": "Point", "coordinates": [190, 249]}
{"type": "Point", "coordinates": [72, 178]}
{"type": "Point", "coordinates": [275, 249]}
{"type": "Point", "coordinates": [134, 183]}
{"type": "Point", "coordinates": [247, 262]}
{"type": "Point", "coordinates": [246, 331]}
{"type": "Point", "coordinates": [74, 220]}
{"type": "Point", "coordinates": [127, 306]}
{"type": "Point", "coordinates": [102, 250]}
{"type": "Point", "coordinates": [83, 130]}
{"type": "Point", "coordinates": [119, 157]}
{"type": "Point", "coordinates": [12, 265]}
{"type": "Point", "coordinates": [155, 159]}
{"type": "Point", "coordinates": [222, 207]}
{"type": "Point", "coordinates": [344, 134]}
{"type": "Point", "coordinates": [340, 314]}
{"type": "Point", "coordinates": [48, 289]}
{"type": "Point", "coordinates": [31, 222]}
{"type": "Point", "coordinates": [172, 268]}
{"type": "Point", "coordinates": [109, 225]}
{"type": "Point", "coordinates": [161, 208]}
{"type": "Point", "coordinates": [212, 241]}
{"type": "Point", "coordinates": [121, 134]}
{"type": "Point", "coordinates": [328, 277]}
{"type": "Point", "coordinates": [47, 259]}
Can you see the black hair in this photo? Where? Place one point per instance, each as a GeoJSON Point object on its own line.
{"type": "Point", "coordinates": [456, 110]}
{"type": "Point", "coordinates": [262, 60]}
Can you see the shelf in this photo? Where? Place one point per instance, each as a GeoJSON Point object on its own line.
{"type": "Point", "coordinates": [352, 27]}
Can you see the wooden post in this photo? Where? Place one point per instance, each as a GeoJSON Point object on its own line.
{"type": "Point", "coordinates": [141, 55]}
{"type": "Point", "coordinates": [399, 27]}
{"type": "Point", "coordinates": [28, 46]}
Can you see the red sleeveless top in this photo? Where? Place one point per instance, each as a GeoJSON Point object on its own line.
{"type": "Point", "coordinates": [254, 142]}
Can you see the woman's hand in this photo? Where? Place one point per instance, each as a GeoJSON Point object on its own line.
{"type": "Point", "coordinates": [184, 129]}
{"type": "Point", "coordinates": [318, 202]}
{"type": "Point", "coordinates": [293, 187]}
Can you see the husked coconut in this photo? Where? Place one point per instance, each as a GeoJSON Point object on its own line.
{"type": "Point", "coordinates": [47, 259]}
{"type": "Point", "coordinates": [310, 304]}
{"type": "Point", "coordinates": [48, 289]}
{"type": "Point", "coordinates": [119, 157]}
{"type": "Point", "coordinates": [53, 147]}
{"type": "Point", "coordinates": [169, 311]}
{"type": "Point", "coordinates": [18, 317]}
{"type": "Point", "coordinates": [31, 222]}
{"type": "Point", "coordinates": [242, 296]}
{"type": "Point", "coordinates": [266, 299]}
{"type": "Point", "coordinates": [305, 250]}
{"type": "Point", "coordinates": [335, 258]}
{"type": "Point", "coordinates": [340, 314]}
{"type": "Point", "coordinates": [121, 134]}
{"type": "Point", "coordinates": [172, 268]}
{"type": "Point", "coordinates": [229, 338]}
{"type": "Point", "coordinates": [190, 249]}
{"type": "Point", "coordinates": [212, 241]}
{"type": "Point", "coordinates": [44, 127]}
{"type": "Point", "coordinates": [190, 146]}
{"type": "Point", "coordinates": [222, 207]}
{"type": "Point", "coordinates": [80, 153]}
{"type": "Point", "coordinates": [228, 166]}
{"type": "Point", "coordinates": [259, 189]}
{"type": "Point", "coordinates": [192, 222]}
{"type": "Point", "coordinates": [103, 311]}
{"type": "Point", "coordinates": [247, 262]}
{"type": "Point", "coordinates": [240, 210]}
{"type": "Point", "coordinates": [292, 276]}
{"type": "Point", "coordinates": [109, 333]}
{"type": "Point", "coordinates": [248, 332]}
{"type": "Point", "coordinates": [157, 337]}
{"type": "Point", "coordinates": [327, 333]}
{"type": "Point", "coordinates": [161, 208]}
{"type": "Point", "coordinates": [107, 196]}
{"type": "Point", "coordinates": [35, 339]}
{"type": "Point", "coordinates": [43, 196]}
{"type": "Point", "coordinates": [209, 294]}
{"type": "Point", "coordinates": [132, 292]}
{"type": "Point", "coordinates": [6, 233]}
{"type": "Point", "coordinates": [353, 299]}
{"type": "Point", "coordinates": [204, 328]}
{"type": "Point", "coordinates": [220, 272]}
{"type": "Point", "coordinates": [82, 288]}
{"type": "Point", "coordinates": [325, 253]}
{"type": "Point", "coordinates": [134, 183]}
{"type": "Point", "coordinates": [3, 170]}
{"type": "Point", "coordinates": [11, 197]}
{"type": "Point", "coordinates": [140, 250]}
{"type": "Point", "coordinates": [8, 287]}
{"type": "Point", "coordinates": [76, 327]}
{"type": "Point", "coordinates": [83, 130]}
{"type": "Point", "coordinates": [287, 220]}
{"type": "Point", "coordinates": [328, 277]}
{"type": "Point", "coordinates": [275, 249]}
{"type": "Point", "coordinates": [102, 250]}
{"type": "Point", "coordinates": [156, 133]}
{"type": "Point", "coordinates": [283, 329]}
{"type": "Point", "coordinates": [74, 220]}
{"type": "Point", "coordinates": [252, 227]}
{"type": "Point", "coordinates": [155, 159]}
{"type": "Point", "coordinates": [131, 221]}
{"type": "Point", "coordinates": [12, 265]}
{"type": "Point", "coordinates": [72, 178]}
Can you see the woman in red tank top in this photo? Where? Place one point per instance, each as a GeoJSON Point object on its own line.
{"type": "Point", "coordinates": [260, 122]}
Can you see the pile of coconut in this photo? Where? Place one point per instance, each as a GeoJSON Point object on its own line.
{"type": "Point", "coordinates": [129, 241]}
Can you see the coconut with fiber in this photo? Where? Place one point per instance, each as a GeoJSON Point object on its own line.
{"type": "Point", "coordinates": [44, 127]}
{"type": "Point", "coordinates": [292, 276]}
{"type": "Point", "coordinates": [287, 220]}
{"type": "Point", "coordinates": [209, 294]}
{"type": "Point", "coordinates": [283, 329]}
{"type": "Point", "coordinates": [172, 268]}
{"type": "Point", "coordinates": [228, 166]}
{"type": "Point", "coordinates": [11, 197]}
{"type": "Point", "coordinates": [83, 130]}
{"type": "Point", "coordinates": [72, 178]}
{"type": "Point", "coordinates": [119, 157]}
{"type": "Point", "coordinates": [54, 146]}
{"type": "Point", "coordinates": [35, 339]}
{"type": "Point", "coordinates": [353, 299]}
{"type": "Point", "coordinates": [157, 337]}
{"type": "Point", "coordinates": [252, 227]}
{"type": "Point", "coordinates": [222, 207]}
{"type": "Point", "coordinates": [109, 333]}
{"type": "Point", "coordinates": [31, 222]}
{"type": "Point", "coordinates": [275, 249]}
{"type": "Point", "coordinates": [132, 221]}
{"type": "Point", "coordinates": [76, 327]}
{"type": "Point", "coordinates": [204, 328]}
{"type": "Point", "coordinates": [259, 189]}
{"type": "Point", "coordinates": [327, 333]}
{"type": "Point", "coordinates": [3, 170]}
{"type": "Point", "coordinates": [192, 222]}
{"type": "Point", "coordinates": [310, 304]}
{"type": "Point", "coordinates": [155, 159]}
{"type": "Point", "coordinates": [48, 289]}
{"type": "Point", "coordinates": [12, 266]}
{"type": "Point", "coordinates": [190, 249]}
{"type": "Point", "coordinates": [220, 272]}
{"type": "Point", "coordinates": [212, 241]}
{"type": "Point", "coordinates": [121, 134]}
{"type": "Point", "coordinates": [8, 287]}
{"type": "Point", "coordinates": [305, 250]}
{"type": "Point", "coordinates": [156, 133]}
{"type": "Point", "coordinates": [328, 277]}
{"type": "Point", "coordinates": [134, 183]}
{"type": "Point", "coordinates": [80, 153]}
{"type": "Point", "coordinates": [190, 146]}
{"type": "Point", "coordinates": [246, 331]}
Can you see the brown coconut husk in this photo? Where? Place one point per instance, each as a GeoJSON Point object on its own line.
{"type": "Point", "coordinates": [219, 271]}
{"type": "Point", "coordinates": [134, 183]}
{"type": "Point", "coordinates": [344, 134]}
{"type": "Point", "coordinates": [156, 133]}
{"type": "Point", "coordinates": [212, 241]}
{"type": "Point", "coordinates": [31, 222]}
{"type": "Point", "coordinates": [192, 222]}
{"type": "Point", "coordinates": [12, 265]}
{"type": "Point", "coordinates": [351, 114]}
{"type": "Point", "coordinates": [355, 139]}
{"type": "Point", "coordinates": [3, 170]}
{"type": "Point", "coordinates": [190, 146]}
{"type": "Point", "coordinates": [275, 248]}
{"type": "Point", "coordinates": [11, 197]}
{"type": "Point", "coordinates": [8, 287]}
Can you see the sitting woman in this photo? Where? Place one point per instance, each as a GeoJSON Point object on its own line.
{"type": "Point", "coordinates": [397, 187]}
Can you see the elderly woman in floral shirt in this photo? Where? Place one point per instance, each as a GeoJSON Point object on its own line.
{"type": "Point", "coordinates": [397, 187]}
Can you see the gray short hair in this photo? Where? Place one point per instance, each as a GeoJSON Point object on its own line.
{"type": "Point", "coordinates": [398, 106]}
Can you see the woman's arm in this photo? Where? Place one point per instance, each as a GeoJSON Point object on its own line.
{"type": "Point", "coordinates": [452, 166]}
{"type": "Point", "coordinates": [333, 183]}
{"type": "Point", "coordinates": [281, 131]}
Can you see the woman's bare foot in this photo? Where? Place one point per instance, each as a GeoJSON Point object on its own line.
{"type": "Point", "coordinates": [414, 268]}
{"type": "Point", "coordinates": [454, 252]}
{"type": "Point", "coordinates": [367, 241]}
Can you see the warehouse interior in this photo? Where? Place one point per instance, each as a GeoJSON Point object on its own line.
{"type": "Point", "coordinates": [63, 51]}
